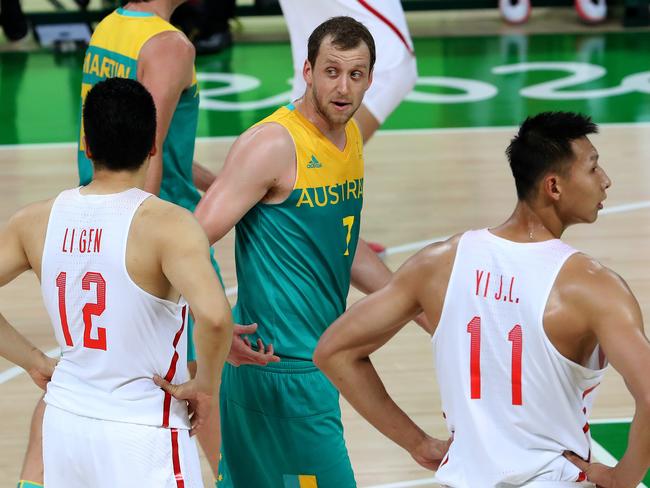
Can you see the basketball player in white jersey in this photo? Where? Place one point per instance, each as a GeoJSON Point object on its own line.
{"type": "Point", "coordinates": [119, 271]}
{"type": "Point", "coordinates": [521, 322]}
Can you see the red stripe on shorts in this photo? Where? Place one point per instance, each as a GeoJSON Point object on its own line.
{"type": "Point", "coordinates": [167, 402]}
{"type": "Point", "coordinates": [390, 25]}
{"type": "Point", "coordinates": [176, 460]}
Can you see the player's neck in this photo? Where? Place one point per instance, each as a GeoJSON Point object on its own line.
{"type": "Point", "coordinates": [531, 224]}
{"type": "Point", "coordinates": [161, 8]}
{"type": "Point", "coordinates": [106, 182]}
{"type": "Point", "coordinates": [334, 132]}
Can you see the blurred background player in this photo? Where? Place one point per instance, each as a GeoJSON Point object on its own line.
{"type": "Point", "coordinates": [518, 11]}
{"type": "Point", "coordinates": [119, 269]}
{"type": "Point", "coordinates": [523, 322]}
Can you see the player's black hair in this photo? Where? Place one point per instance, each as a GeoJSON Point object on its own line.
{"type": "Point", "coordinates": [119, 118]}
{"type": "Point", "coordinates": [543, 144]}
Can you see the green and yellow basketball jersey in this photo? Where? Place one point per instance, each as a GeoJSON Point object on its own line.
{"type": "Point", "coordinates": [113, 52]}
{"type": "Point", "coordinates": [294, 258]}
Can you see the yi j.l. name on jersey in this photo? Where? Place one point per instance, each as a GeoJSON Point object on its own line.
{"type": "Point", "coordinates": [513, 403]}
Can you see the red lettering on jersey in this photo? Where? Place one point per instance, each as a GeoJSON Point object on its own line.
{"type": "Point", "coordinates": [98, 240]}
{"type": "Point", "coordinates": [479, 275]}
{"type": "Point", "coordinates": [500, 294]}
{"type": "Point", "coordinates": [82, 241]}
{"type": "Point", "coordinates": [65, 236]}
{"type": "Point", "coordinates": [72, 241]}
{"type": "Point", "coordinates": [512, 282]}
{"type": "Point", "coordinates": [497, 296]}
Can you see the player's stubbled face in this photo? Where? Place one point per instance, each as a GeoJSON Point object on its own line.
{"type": "Point", "coordinates": [339, 81]}
{"type": "Point", "coordinates": [585, 185]}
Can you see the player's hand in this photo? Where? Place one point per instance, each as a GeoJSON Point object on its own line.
{"type": "Point", "coordinates": [430, 452]}
{"type": "Point", "coordinates": [42, 370]}
{"type": "Point", "coordinates": [200, 402]}
{"type": "Point", "coordinates": [601, 475]}
{"type": "Point", "coordinates": [242, 352]}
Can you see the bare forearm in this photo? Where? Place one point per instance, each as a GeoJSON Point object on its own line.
{"type": "Point", "coordinates": [15, 348]}
{"type": "Point", "coordinates": [369, 273]}
{"type": "Point", "coordinates": [358, 382]}
{"type": "Point", "coordinates": [635, 463]}
{"type": "Point", "coordinates": [202, 176]}
{"type": "Point", "coordinates": [212, 344]}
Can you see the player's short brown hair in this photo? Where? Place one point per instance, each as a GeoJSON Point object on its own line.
{"type": "Point", "coordinates": [345, 32]}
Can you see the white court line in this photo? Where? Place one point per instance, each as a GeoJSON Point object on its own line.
{"type": "Point", "coordinates": [380, 132]}
{"type": "Point", "coordinates": [624, 420]}
{"type": "Point", "coordinates": [14, 371]}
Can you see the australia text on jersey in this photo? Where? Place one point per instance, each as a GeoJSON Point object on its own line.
{"type": "Point", "coordinates": [331, 194]}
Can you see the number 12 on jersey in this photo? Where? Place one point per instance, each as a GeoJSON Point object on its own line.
{"type": "Point", "coordinates": [516, 337]}
{"type": "Point", "coordinates": [88, 310]}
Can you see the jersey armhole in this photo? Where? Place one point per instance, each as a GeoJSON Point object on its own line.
{"type": "Point", "coordinates": [452, 278]}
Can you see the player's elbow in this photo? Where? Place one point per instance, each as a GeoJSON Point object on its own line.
{"type": "Point", "coordinates": [324, 356]}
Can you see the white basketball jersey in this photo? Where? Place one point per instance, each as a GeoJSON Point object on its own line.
{"type": "Point", "coordinates": [114, 336]}
{"type": "Point", "coordinates": [512, 402]}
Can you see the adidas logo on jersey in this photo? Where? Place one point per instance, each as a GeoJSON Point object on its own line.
{"type": "Point", "coordinates": [314, 163]}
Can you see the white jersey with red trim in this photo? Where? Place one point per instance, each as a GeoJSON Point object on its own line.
{"type": "Point", "coordinates": [114, 336]}
{"type": "Point", "coordinates": [512, 402]}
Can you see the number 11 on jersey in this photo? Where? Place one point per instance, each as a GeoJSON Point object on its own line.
{"type": "Point", "coordinates": [516, 337]}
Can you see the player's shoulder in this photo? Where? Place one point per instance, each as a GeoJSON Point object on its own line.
{"type": "Point", "coordinates": [436, 256]}
{"type": "Point", "coordinates": [585, 278]}
{"type": "Point", "coordinates": [265, 143]}
{"type": "Point", "coordinates": [160, 213]}
{"type": "Point", "coordinates": [33, 213]}
{"type": "Point", "coordinates": [170, 44]}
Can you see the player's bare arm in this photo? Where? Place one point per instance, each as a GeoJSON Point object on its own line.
{"type": "Point", "coordinates": [165, 68]}
{"type": "Point", "coordinates": [344, 349]}
{"type": "Point", "coordinates": [202, 176]}
{"type": "Point", "coordinates": [614, 318]}
{"type": "Point", "coordinates": [260, 167]}
{"type": "Point", "coordinates": [14, 261]}
{"type": "Point", "coordinates": [185, 262]}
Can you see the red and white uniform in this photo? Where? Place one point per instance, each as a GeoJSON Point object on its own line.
{"type": "Point", "coordinates": [395, 71]}
{"type": "Point", "coordinates": [114, 338]}
{"type": "Point", "coordinates": [513, 403]}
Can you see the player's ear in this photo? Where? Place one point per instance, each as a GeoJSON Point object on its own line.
{"type": "Point", "coordinates": [89, 155]}
{"type": "Point", "coordinates": [552, 186]}
{"type": "Point", "coordinates": [153, 150]}
{"type": "Point", "coordinates": [307, 72]}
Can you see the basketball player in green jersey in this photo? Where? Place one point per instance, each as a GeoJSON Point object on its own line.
{"type": "Point", "coordinates": [138, 42]}
{"type": "Point", "coordinates": [293, 186]}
